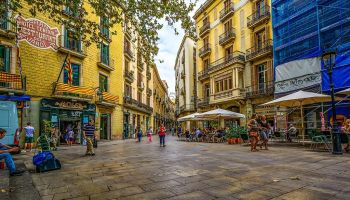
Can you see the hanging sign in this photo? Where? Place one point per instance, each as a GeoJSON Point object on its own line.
{"type": "Point", "coordinates": [37, 33]}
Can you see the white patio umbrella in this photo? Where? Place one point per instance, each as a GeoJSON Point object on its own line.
{"type": "Point", "coordinates": [300, 99]}
{"type": "Point", "coordinates": [187, 117]}
{"type": "Point", "coordinates": [347, 92]}
{"type": "Point", "coordinates": [220, 113]}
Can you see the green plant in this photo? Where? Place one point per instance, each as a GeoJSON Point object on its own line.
{"type": "Point", "coordinates": [232, 132]}
{"type": "Point", "coordinates": [46, 127]}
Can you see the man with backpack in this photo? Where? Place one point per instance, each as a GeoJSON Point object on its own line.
{"type": "Point", "coordinates": [89, 136]}
{"type": "Point", "coordinates": [5, 154]}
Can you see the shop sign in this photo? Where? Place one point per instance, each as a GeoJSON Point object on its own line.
{"type": "Point", "coordinates": [68, 105]}
{"type": "Point", "coordinates": [37, 33]}
{"type": "Point", "coordinates": [297, 83]}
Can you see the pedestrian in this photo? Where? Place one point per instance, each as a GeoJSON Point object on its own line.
{"type": "Point", "coordinates": [70, 137]}
{"type": "Point", "coordinates": [179, 131]}
{"type": "Point", "coordinates": [162, 135]}
{"type": "Point", "coordinates": [55, 135]}
{"type": "Point", "coordinates": [347, 131]}
{"type": "Point", "coordinates": [5, 154]}
{"type": "Point", "coordinates": [89, 136]}
{"type": "Point", "coordinates": [29, 137]}
{"type": "Point", "coordinates": [149, 134]}
{"type": "Point", "coordinates": [139, 134]}
{"type": "Point", "coordinates": [264, 127]}
{"type": "Point", "coordinates": [253, 132]}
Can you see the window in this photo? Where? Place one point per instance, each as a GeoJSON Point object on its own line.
{"type": "Point", "coordinates": [72, 7]}
{"type": "Point", "coordinates": [3, 18]}
{"type": "Point", "coordinates": [104, 23]}
{"type": "Point", "coordinates": [206, 41]}
{"type": "Point", "coordinates": [223, 84]}
{"type": "Point", "coordinates": [261, 75]}
{"type": "Point", "coordinates": [139, 96]}
{"type": "Point", "coordinates": [5, 58]}
{"type": "Point", "coordinates": [71, 41]}
{"type": "Point", "coordinates": [227, 4]}
{"type": "Point", "coordinates": [228, 26]}
{"type": "Point", "coordinates": [215, 14]}
{"type": "Point", "coordinates": [228, 53]}
{"type": "Point", "coordinates": [259, 39]}
{"type": "Point", "coordinates": [148, 101]}
{"type": "Point", "coordinates": [206, 64]}
{"type": "Point", "coordinates": [105, 53]}
{"type": "Point", "coordinates": [128, 90]}
{"type": "Point", "coordinates": [126, 63]}
{"type": "Point", "coordinates": [205, 21]}
{"type": "Point", "coordinates": [75, 75]}
{"type": "Point", "coordinates": [260, 8]}
{"type": "Point", "coordinates": [206, 90]}
{"type": "Point", "coordinates": [103, 83]}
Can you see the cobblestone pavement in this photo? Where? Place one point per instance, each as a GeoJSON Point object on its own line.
{"type": "Point", "coordinates": [181, 170]}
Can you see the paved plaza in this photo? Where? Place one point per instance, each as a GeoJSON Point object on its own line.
{"type": "Point", "coordinates": [182, 170]}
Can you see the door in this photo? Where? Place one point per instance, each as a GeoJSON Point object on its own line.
{"type": "Point", "coordinates": [126, 126]}
{"type": "Point", "coordinates": [261, 77]}
{"type": "Point", "coordinates": [105, 127]}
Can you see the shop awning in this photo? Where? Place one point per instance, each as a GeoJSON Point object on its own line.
{"type": "Point", "coordinates": [110, 97]}
{"type": "Point", "coordinates": [61, 87]}
{"type": "Point", "coordinates": [15, 98]}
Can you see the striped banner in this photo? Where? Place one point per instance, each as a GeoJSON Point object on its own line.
{"type": "Point", "coordinates": [61, 87]}
{"type": "Point", "coordinates": [10, 78]}
{"type": "Point", "coordinates": [110, 97]}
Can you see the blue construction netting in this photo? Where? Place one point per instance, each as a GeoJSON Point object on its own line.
{"type": "Point", "coordinates": [306, 28]}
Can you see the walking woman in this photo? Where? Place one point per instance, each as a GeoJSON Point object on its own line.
{"type": "Point", "coordinates": [139, 134]}
{"type": "Point", "coordinates": [253, 132]}
{"type": "Point", "coordinates": [264, 127]}
{"type": "Point", "coordinates": [162, 135]}
{"type": "Point", "coordinates": [149, 134]}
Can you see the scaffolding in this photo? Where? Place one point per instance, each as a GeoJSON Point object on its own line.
{"type": "Point", "coordinates": [305, 28]}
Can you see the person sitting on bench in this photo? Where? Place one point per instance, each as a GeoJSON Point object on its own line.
{"type": "Point", "coordinates": [5, 154]}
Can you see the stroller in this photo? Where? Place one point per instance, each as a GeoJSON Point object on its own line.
{"type": "Point", "coordinates": [44, 160]}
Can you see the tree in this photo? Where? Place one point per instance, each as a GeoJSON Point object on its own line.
{"type": "Point", "coordinates": [143, 17]}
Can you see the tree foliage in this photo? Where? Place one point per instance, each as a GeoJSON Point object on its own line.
{"type": "Point", "coordinates": [143, 17]}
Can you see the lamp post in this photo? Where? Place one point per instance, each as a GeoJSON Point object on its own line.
{"type": "Point", "coordinates": [328, 59]}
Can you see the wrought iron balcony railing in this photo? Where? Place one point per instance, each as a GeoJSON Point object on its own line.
{"type": "Point", "coordinates": [261, 89]}
{"type": "Point", "coordinates": [236, 57]}
{"type": "Point", "coordinates": [129, 76]}
{"type": "Point", "coordinates": [259, 16]}
{"type": "Point", "coordinates": [226, 12]}
{"type": "Point", "coordinates": [128, 52]}
{"type": "Point", "coordinates": [204, 29]}
{"type": "Point", "coordinates": [228, 36]}
{"type": "Point", "coordinates": [260, 50]}
{"type": "Point", "coordinates": [205, 50]}
{"type": "Point", "coordinates": [203, 102]}
{"type": "Point", "coordinates": [203, 74]}
{"type": "Point", "coordinates": [135, 104]}
{"type": "Point", "coordinates": [7, 26]}
{"type": "Point", "coordinates": [72, 46]}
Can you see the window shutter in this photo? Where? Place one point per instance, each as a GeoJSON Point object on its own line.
{"type": "Point", "coordinates": [269, 71]}
{"type": "Point", "coordinates": [7, 59]}
{"type": "Point", "coordinates": [254, 77]}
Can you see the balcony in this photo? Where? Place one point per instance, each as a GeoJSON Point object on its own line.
{"type": "Point", "coordinates": [227, 37]}
{"type": "Point", "coordinates": [205, 50]}
{"type": "Point", "coordinates": [128, 53]}
{"type": "Point", "coordinates": [183, 75]}
{"type": "Point", "coordinates": [148, 74]}
{"type": "Point", "coordinates": [65, 91]}
{"type": "Point", "coordinates": [71, 46]}
{"type": "Point", "coordinates": [106, 63]}
{"type": "Point", "coordinates": [187, 108]}
{"type": "Point", "coordinates": [140, 66]}
{"type": "Point", "coordinates": [7, 27]}
{"type": "Point", "coordinates": [259, 17]}
{"type": "Point", "coordinates": [140, 85]}
{"type": "Point", "coordinates": [260, 90]}
{"type": "Point", "coordinates": [258, 51]}
{"type": "Point", "coordinates": [203, 74]}
{"type": "Point", "coordinates": [228, 95]}
{"type": "Point", "coordinates": [234, 58]}
{"type": "Point", "coordinates": [12, 83]}
{"type": "Point", "coordinates": [204, 29]}
{"type": "Point", "coordinates": [226, 12]}
{"type": "Point", "coordinates": [127, 32]}
{"type": "Point", "coordinates": [107, 99]}
{"type": "Point", "coordinates": [136, 105]}
{"type": "Point", "coordinates": [129, 76]}
{"type": "Point", "coordinates": [203, 102]}
{"type": "Point", "coordinates": [149, 92]}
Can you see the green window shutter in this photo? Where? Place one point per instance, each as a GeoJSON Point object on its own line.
{"type": "Point", "coordinates": [76, 74]}
{"type": "Point", "coordinates": [7, 58]}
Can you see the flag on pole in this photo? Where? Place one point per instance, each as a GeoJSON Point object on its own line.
{"type": "Point", "coordinates": [19, 63]}
{"type": "Point", "coordinates": [68, 68]}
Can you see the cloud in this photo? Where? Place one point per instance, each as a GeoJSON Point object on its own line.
{"type": "Point", "coordinates": [169, 44]}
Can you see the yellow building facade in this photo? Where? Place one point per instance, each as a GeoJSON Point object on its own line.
{"type": "Point", "coordinates": [44, 92]}
{"type": "Point", "coordinates": [234, 54]}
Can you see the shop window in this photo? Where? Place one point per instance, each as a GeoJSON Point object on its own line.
{"type": "Point", "coordinates": [5, 58]}
{"type": "Point", "coordinates": [72, 41]}
{"type": "Point", "coordinates": [104, 23]}
{"type": "Point", "coordinates": [103, 83]}
{"type": "Point", "coordinates": [105, 53]}
{"type": "Point", "coordinates": [75, 75]}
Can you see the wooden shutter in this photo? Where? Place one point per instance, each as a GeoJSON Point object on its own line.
{"type": "Point", "coordinates": [253, 72]}
{"type": "Point", "coordinates": [269, 71]}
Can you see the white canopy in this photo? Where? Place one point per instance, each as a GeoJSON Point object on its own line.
{"type": "Point", "coordinates": [347, 92]}
{"type": "Point", "coordinates": [220, 113]}
{"type": "Point", "coordinates": [187, 118]}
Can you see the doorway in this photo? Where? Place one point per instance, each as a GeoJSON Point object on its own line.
{"type": "Point", "coordinates": [105, 133]}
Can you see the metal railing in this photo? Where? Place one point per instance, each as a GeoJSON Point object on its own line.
{"type": "Point", "coordinates": [258, 50]}
{"type": "Point", "coordinates": [261, 89]}
{"type": "Point", "coordinates": [106, 62]}
{"type": "Point", "coordinates": [258, 16]}
{"type": "Point", "coordinates": [135, 103]}
{"type": "Point", "coordinates": [128, 52]}
{"type": "Point", "coordinates": [203, 102]}
{"type": "Point", "coordinates": [236, 56]}
{"type": "Point", "coordinates": [7, 23]}
{"type": "Point", "coordinates": [225, 37]}
{"type": "Point", "coordinates": [149, 92]}
{"type": "Point", "coordinates": [140, 66]}
{"type": "Point", "coordinates": [148, 74]}
{"type": "Point", "coordinates": [129, 75]}
{"type": "Point", "coordinates": [12, 82]}
{"type": "Point", "coordinates": [71, 45]}
{"type": "Point", "coordinates": [226, 11]}
{"type": "Point", "coordinates": [204, 50]}
{"type": "Point", "coordinates": [204, 28]}
{"type": "Point", "coordinates": [203, 74]}
{"type": "Point", "coordinates": [224, 94]}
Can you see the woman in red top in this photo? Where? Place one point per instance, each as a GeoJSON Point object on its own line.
{"type": "Point", "coordinates": [162, 135]}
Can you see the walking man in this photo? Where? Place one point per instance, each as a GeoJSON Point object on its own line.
{"type": "Point", "coordinates": [29, 137]}
{"type": "Point", "coordinates": [89, 136]}
{"type": "Point", "coordinates": [5, 154]}
{"type": "Point", "coordinates": [162, 135]}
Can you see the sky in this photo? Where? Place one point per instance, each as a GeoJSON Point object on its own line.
{"type": "Point", "coordinates": [169, 44]}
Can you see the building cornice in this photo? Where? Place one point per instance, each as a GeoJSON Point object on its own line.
{"type": "Point", "coordinates": [202, 8]}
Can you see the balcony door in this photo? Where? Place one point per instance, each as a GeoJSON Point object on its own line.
{"type": "Point", "coordinates": [228, 53]}
{"type": "Point", "coordinates": [260, 8]}
{"type": "Point", "coordinates": [5, 59]}
{"type": "Point", "coordinates": [227, 26]}
{"type": "Point", "coordinates": [206, 91]}
{"type": "Point", "coordinates": [128, 90]}
{"type": "Point", "coordinates": [227, 4]}
{"type": "Point", "coordinates": [260, 37]}
{"type": "Point", "coordinates": [206, 41]}
{"type": "Point", "coordinates": [262, 77]}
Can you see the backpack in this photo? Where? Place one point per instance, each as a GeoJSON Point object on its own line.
{"type": "Point", "coordinates": [42, 157]}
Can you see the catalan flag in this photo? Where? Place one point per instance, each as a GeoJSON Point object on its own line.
{"type": "Point", "coordinates": [68, 68]}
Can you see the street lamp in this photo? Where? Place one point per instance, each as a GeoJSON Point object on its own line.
{"type": "Point", "coordinates": [328, 59]}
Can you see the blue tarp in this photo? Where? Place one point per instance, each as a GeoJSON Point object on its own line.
{"type": "Point", "coordinates": [15, 98]}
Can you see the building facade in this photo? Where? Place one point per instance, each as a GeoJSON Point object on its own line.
{"type": "Point", "coordinates": [138, 84]}
{"type": "Point", "coordinates": [234, 55]}
{"type": "Point", "coordinates": [42, 81]}
{"type": "Point", "coordinates": [186, 78]}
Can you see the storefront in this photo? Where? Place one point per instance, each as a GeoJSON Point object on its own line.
{"type": "Point", "coordinates": [66, 115]}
